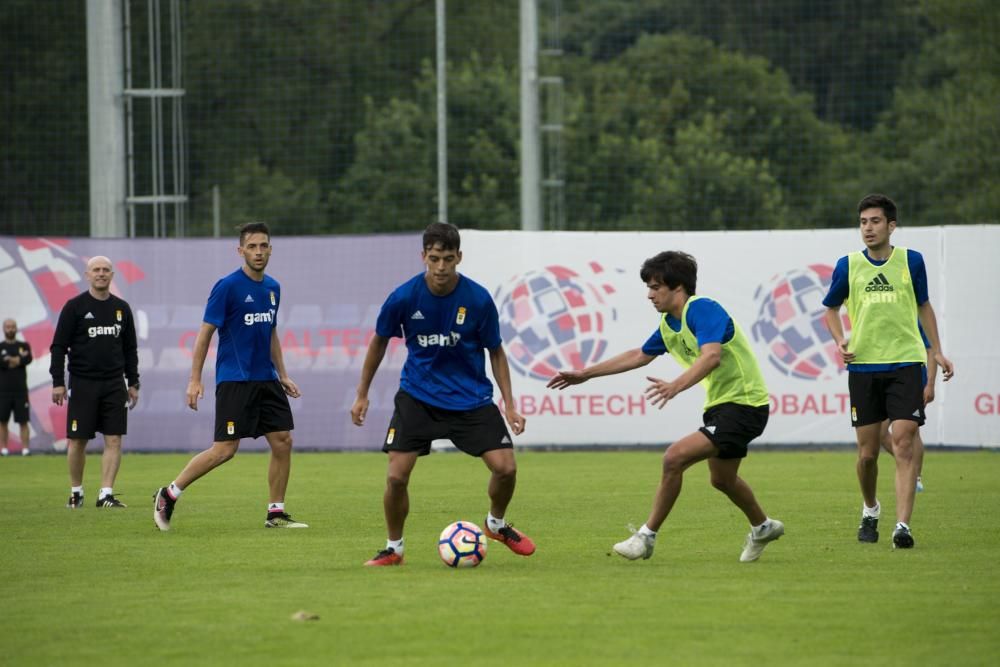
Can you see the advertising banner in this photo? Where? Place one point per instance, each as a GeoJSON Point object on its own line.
{"type": "Point", "coordinates": [565, 300]}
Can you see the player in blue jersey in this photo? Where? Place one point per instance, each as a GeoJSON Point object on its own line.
{"type": "Point", "coordinates": [251, 384]}
{"type": "Point", "coordinates": [714, 352]}
{"type": "Point", "coordinates": [447, 321]}
{"type": "Point", "coordinates": [885, 291]}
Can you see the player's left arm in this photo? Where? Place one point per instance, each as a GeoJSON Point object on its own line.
{"type": "Point", "coordinates": [501, 373]}
{"type": "Point", "coordinates": [279, 365]}
{"type": "Point", "coordinates": [130, 346]}
{"type": "Point", "coordinates": [926, 316]}
{"type": "Point", "coordinates": [26, 357]}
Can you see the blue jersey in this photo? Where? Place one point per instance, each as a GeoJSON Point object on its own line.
{"type": "Point", "coordinates": [840, 289]}
{"type": "Point", "coordinates": [245, 312]}
{"type": "Point", "coordinates": [708, 321]}
{"type": "Point", "coordinates": [445, 338]}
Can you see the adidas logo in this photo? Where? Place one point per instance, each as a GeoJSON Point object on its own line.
{"type": "Point", "coordinates": [88, 316]}
{"type": "Point", "coordinates": [711, 429]}
{"type": "Point", "coordinates": [249, 299]}
{"type": "Point", "coordinates": [879, 284]}
{"type": "Point", "coordinates": [417, 316]}
{"type": "Point", "coordinates": [916, 413]}
{"type": "Point", "coordinates": [505, 441]}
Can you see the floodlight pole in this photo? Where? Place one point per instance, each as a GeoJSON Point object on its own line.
{"type": "Point", "coordinates": [442, 112]}
{"type": "Point", "coordinates": [531, 156]}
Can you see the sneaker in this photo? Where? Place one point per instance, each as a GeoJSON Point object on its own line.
{"type": "Point", "coordinates": [920, 484]}
{"type": "Point", "coordinates": [902, 538]}
{"type": "Point", "coordinates": [110, 501]}
{"type": "Point", "coordinates": [868, 530]}
{"type": "Point", "coordinates": [636, 547]}
{"type": "Point", "coordinates": [754, 546]}
{"type": "Point", "coordinates": [163, 509]}
{"type": "Point", "coordinates": [282, 520]}
{"type": "Point", "coordinates": [4, 452]}
{"type": "Point", "coordinates": [385, 557]}
{"type": "Point", "coordinates": [515, 540]}
{"type": "Point", "coordinates": [27, 452]}
{"type": "Point", "coordinates": [75, 501]}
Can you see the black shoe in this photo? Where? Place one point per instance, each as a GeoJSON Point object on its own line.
{"type": "Point", "coordinates": [901, 538]}
{"type": "Point", "coordinates": [163, 508]}
{"type": "Point", "coordinates": [868, 530]}
{"type": "Point", "coordinates": [75, 501]}
{"type": "Point", "coordinates": [110, 501]}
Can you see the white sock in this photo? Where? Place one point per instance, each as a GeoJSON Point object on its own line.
{"type": "Point", "coordinates": [395, 545]}
{"type": "Point", "coordinates": [645, 530]}
{"type": "Point", "coordinates": [105, 491]}
{"type": "Point", "coordinates": [174, 491]}
{"type": "Point", "coordinates": [900, 524]}
{"type": "Point", "coordinates": [493, 523]}
{"type": "Point", "coordinates": [757, 530]}
{"type": "Point", "coordinates": [275, 507]}
{"type": "Point", "coordinates": [872, 512]}
{"type": "Point", "coordinates": [76, 489]}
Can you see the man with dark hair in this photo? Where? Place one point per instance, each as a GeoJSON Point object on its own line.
{"type": "Point", "coordinates": [447, 321]}
{"type": "Point", "coordinates": [97, 330]}
{"type": "Point", "coordinates": [885, 288]}
{"type": "Point", "coordinates": [711, 347]}
{"type": "Point", "coordinates": [15, 355]}
{"type": "Point", "coordinates": [251, 385]}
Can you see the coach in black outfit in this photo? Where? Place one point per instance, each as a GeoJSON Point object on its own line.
{"type": "Point", "coordinates": [14, 356]}
{"type": "Point", "coordinates": [97, 330]}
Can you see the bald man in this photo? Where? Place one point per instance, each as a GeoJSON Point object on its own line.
{"type": "Point", "coordinates": [14, 356]}
{"type": "Point", "coordinates": [97, 332]}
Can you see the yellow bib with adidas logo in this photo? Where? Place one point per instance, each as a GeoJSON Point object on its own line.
{"type": "Point", "coordinates": [737, 378]}
{"type": "Point", "coordinates": [883, 311]}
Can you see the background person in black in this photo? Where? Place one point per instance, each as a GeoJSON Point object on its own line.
{"type": "Point", "coordinates": [14, 356]}
{"type": "Point", "coordinates": [97, 330]}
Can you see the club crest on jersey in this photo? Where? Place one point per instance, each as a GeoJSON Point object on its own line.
{"type": "Point", "coordinates": [118, 315]}
{"type": "Point", "coordinates": [273, 300]}
{"type": "Point", "coordinates": [460, 318]}
{"type": "Point", "coordinates": [231, 428]}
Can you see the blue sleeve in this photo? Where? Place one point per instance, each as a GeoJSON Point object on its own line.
{"type": "Point", "coordinates": [840, 289]}
{"type": "Point", "coordinates": [654, 345]}
{"type": "Point", "coordinates": [390, 323]}
{"type": "Point", "coordinates": [918, 274]}
{"type": "Point", "coordinates": [215, 309]}
{"type": "Point", "coordinates": [489, 328]}
{"type": "Point", "coordinates": [709, 322]}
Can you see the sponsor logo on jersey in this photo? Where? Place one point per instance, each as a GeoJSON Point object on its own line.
{"type": "Point", "coordinates": [112, 330]}
{"type": "Point", "coordinates": [460, 318]}
{"type": "Point", "coordinates": [879, 284]}
{"type": "Point", "coordinates": [250, 319]}
{"type": "Point", "coordinates": [439, 340]}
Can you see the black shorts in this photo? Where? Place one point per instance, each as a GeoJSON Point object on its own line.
{"type": "Point", "coordinates": [731, 427]}
{"type": "Point", "coordinates": [892, 395]}
{"type": "Point", "coordinates": [414, 424]}
{"type": "Point", "coordinates": [250, 410]}
{"type": "Point", "coordinates": [96, 405]}
{"type": "Point", "coordinates": [16, 404]}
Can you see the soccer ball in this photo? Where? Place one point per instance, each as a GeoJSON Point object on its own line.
{"type": "Point", "coordinates": [462, 544]}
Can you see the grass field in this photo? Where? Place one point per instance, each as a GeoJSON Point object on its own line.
{"type": "Point", "coordinates": [104, 587]}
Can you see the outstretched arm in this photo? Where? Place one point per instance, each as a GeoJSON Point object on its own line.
{"type": "Point", "coordinates": [626, 361]}
{"type": "Point", "coordinates": [373, 359]}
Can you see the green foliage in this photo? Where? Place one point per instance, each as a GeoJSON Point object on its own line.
{"type": "Point", "coordinates": [105, 587]}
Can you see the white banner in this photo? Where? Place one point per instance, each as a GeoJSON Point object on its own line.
{"type": "Point", "coordinates": [569, 299]}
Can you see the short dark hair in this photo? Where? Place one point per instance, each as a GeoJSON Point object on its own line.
{"type": "Point", "coordinates": [879, 201]}
{"type": "Point", "coordinates": [672, 268]}
{"type": "Point", "coordinates": [248, 228]}
{"type": "Point", "coordinates": [443, 234]}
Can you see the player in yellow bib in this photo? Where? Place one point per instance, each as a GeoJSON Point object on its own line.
{"type": "Point", "coordinates": [885, 289]}
{"type": "Point", "coordinates": [711, 347]}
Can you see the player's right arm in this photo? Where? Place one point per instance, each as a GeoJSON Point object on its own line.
{"type": "Point", "coordinates": [626, 361]}
{"type": "Point", "coordinates": [195, 390]}
{"type": "Point", "coordinates": [373, 359]}
{"type": "Point", "coordinates": [61, 340]}
{"type": "Point", "coordinates": [836, 327]}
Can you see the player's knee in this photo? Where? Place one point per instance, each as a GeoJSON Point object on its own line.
{"type": "Point", "coordinates": [397, 481]}
{"type": "Point", "coordinates": [723, 483]}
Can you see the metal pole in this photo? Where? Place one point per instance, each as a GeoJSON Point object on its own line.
{"type": "Point", "coordinates": [531, 156]}
{"type": "Point", "coordinates": [442, 112]}
{"type": "Point", "coordinates": [216, 212]}
{"type": "Point", "coordinates": [106, 118]}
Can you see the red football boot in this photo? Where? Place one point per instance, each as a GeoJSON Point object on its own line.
{"type": "Point", "coordinates": [515, 540]}
{"type": "Point", "coordinates": [385, 557]}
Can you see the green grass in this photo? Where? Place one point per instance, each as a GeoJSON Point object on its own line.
{"type": "Point", "coordinates": [103, 587]}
